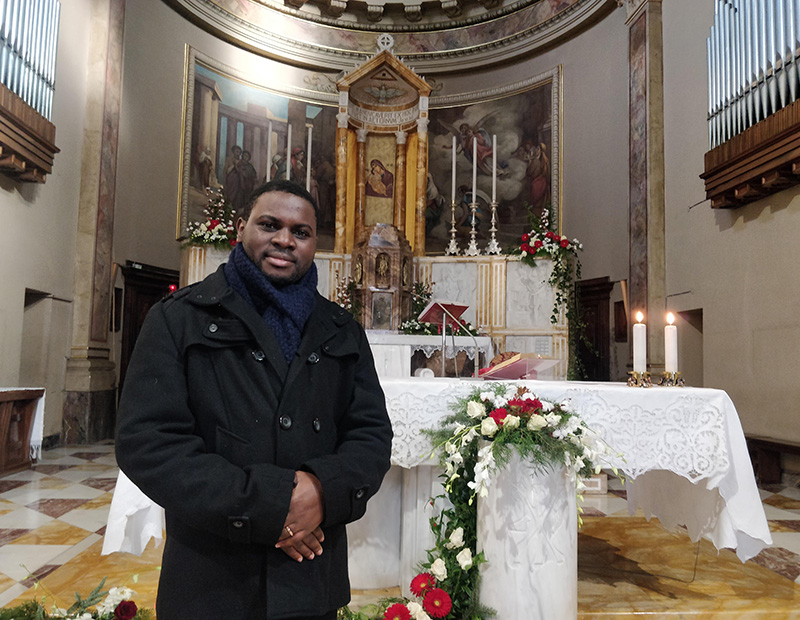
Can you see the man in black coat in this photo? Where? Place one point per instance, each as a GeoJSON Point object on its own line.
{"type": "Point", "coordinates": [253, 414]}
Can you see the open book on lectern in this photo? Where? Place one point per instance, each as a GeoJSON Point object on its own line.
{"type": "Point", "coordinates": [437, 309]}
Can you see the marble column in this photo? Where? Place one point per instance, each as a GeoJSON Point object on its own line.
{"type": "Point", "coordinates": [90, 382]}
{"type": "Point", "coordinates": [361, 184]}
{"type": "Point", "coordinates": [400, 181]}
{"type": "Point", "coordinates": [422, 186]}
{"type": "Point", "coordinates": [647, 280]}
{"type": "Point", "coordinates": [340, 240]}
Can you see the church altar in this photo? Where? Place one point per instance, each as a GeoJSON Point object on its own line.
{"type": "Point", "coordinates": [393, 352]}
{"type": "Point", "coordinates": [682, 451]}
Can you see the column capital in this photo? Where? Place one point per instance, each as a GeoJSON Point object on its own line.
{"type": "Point", "coordinates": [422, 125]}
{"type": "Point", "coordinates": [361, 135]}
{"type": "Point", "coordinates": [342, 120]}
{"type": "Point", "coordinates": [633, 7]}
{"type": "Point", "coordinates": [401, 136]}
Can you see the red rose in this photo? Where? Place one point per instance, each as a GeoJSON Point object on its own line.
{"type": "Point", "coordinates": [437, 603]}
{"type": "Point", "coordinates": [525, 247]}
{"type": "Point", "coordinates": [549, 235]}
{"type": "Point", "coordinates": [498, 415]}
{"type": "Point", "coordinates": [233, 242]}
{"type": "Point", "coordinates": [421, 584]}
{"type": "Point", "coordinates": [525, 237]}
{"type": "Point", "coordinates": [565, 243]}
{"type": "Point", "coordinates": [398, 611]}
{"type": "Point", "coordinates": [538, 243]}
{"type": "Point", "coordinates": [125, 610]}
{"type": "Point", "coordinates": [536, 403]}
{"type": "Point", "coordinates": [213, 224]}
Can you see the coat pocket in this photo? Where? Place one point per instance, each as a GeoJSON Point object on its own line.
{"type": "Point", "coordinates": [235, 449]}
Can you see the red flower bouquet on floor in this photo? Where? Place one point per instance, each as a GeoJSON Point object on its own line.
{"type": "Point", "coordinates": [436, 602]}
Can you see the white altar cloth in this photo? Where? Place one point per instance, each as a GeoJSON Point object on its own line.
{"type": "Point", "coordinates": [682, 450]}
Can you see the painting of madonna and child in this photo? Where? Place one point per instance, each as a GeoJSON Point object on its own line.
{"type": "Point", "coordinates": [526, 167]}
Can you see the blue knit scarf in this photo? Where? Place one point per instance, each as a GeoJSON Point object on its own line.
{"type": "Point", "coordinates": [285, 310]}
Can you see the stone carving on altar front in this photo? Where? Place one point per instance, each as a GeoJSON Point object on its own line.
{"type": "Point", "coordinates": [381, 151]}
{"type": "Point", "coordinates": [382, 272]}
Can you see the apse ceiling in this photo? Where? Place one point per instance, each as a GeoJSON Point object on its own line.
{"type": "Point", "coordinates": [439, 36]}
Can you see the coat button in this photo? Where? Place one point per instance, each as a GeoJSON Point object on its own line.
{"type": "Point", "coordinates": [313, 358]}
{"type": "Point", "coordinates": [285, 422]}
{"type": "Point", "coordinates": [258, 355]}
{"type": "Point", "coordinates": [213, 328]}
{"type": "Point", "coordinates": [359, 493]}
{"type": "Point", "coordinates": [316, 425]}
{"type": "Point", "coordinates": [238, 524]}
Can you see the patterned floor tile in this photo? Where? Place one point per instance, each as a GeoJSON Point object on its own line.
{"type": "Point", "coordinates": [780, 561]}
{"type": "Point", "coordinates": [783, 502]}
{"type": "Point", "coordinates": [7, 485]}
{"type": "Point", "coordinates": [39, 573]}
{"type": "Point", "coordinates": [103, 484]}
{"type": "Point", "coordinates": [89, 456]}
{"type": "Point", "coordinates": [56, 507]}
{"type": "Point", "coordinates": [8, 535]}
{"type": "Point", "coordinates": [54, 533]}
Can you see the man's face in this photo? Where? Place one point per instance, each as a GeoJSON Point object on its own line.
{"type": "Point", "coordinates": [280, 236]}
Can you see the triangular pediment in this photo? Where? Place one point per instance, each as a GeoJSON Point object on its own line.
{"type": "Point", "coordinates": [383, 76]}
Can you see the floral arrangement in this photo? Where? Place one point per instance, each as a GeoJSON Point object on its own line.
{"type": "Point", "coordinates": [420, 297]}
{"type": "Point", "coordinates": [218, 229]}
{"type": "Point", "coordinates": [346, 297]}
{"type": "Point", "coordinates": [542, 242]}
{"type": "Point", "coordinates": [113, 604]}
{"type": "Point", "coordinates": [506, 417]}
{"type": "Point", "coordinates": [435, 603]}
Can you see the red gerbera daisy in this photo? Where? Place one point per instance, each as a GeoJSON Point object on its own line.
{"type": "Point", "coordinates": [422, 583]}
{"type": "Point", "coordinates": [398, 611]}
{"type": "Point", "coordinates": [499, 415]}
{"type": "Point", "coordinates": [437, 603]}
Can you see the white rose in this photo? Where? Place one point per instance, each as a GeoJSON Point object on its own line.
{"type": "Point", "coordinates": [475, 409]}
{"type": "Point", "coordinates": [439, 570]}
{"type": "Point", "coordinates": [536, 423]}
{"type": "Point", "coordinates": [464, 558]}
{"type": "Point", "coordinates": [421, 615]}
{"type": "Point", "coordinates": [511, 422]}
{"type": "Point", "coordinates": [456, 539]}
{"type": "Point", "coordinates": [488, 427]}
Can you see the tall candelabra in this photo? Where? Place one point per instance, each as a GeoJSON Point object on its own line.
{"type": "Point", "coordinates": [472, 248]}
{"type": "Point", "coordinates": [493, 247]}
{"type": "Point", "coordinates": [452, 247]}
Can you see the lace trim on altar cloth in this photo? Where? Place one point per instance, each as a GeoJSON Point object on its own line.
{"type": "Point", "coordinates": [685, 435]}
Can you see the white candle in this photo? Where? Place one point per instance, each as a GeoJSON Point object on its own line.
{"type": "Point", "coordinates": [671, 345]}
{"type": "Point", "coordinates": [494, 168]}
{"type": "Point", "coordinates": [269, 151]}
{"type": "Point", "coordinates": [453, 173]}
{"type": "Point", "coordinates": [639, 344]}
{"type": "Point", "coordinates": [289, 152]}
{"type": "Point", "coordinates": [308, 159]}
{"type": "Point", "coordinates": [474, 170]}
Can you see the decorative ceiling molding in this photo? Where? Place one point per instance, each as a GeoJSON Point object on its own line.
{"type": "Point", "coordinates": [327, 44]}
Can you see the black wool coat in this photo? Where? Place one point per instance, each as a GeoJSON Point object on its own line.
{"type": "Point", "coordinates": [212, 425]}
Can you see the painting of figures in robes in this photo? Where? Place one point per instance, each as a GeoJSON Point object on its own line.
{"type": "Point", "coordinates": [241, 134]}
{"type": "Point", "coordinates": [524, 168]}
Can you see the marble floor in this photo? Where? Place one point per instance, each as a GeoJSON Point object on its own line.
{"type": "Point", "coordinates": [52, 519]}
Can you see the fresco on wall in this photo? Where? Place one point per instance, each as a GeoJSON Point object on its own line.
{"type": "Point", "coordinates": [238, 136]}
{"type": "Point", "coordinates": [527, 170]}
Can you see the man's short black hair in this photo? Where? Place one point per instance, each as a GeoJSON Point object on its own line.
{"type": "Point", "coordinates": [278, 185]}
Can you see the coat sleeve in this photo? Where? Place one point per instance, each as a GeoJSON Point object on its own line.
{"type": "Point", "coordinates": [353, 474]}
{"type": "Point", "coordinates": [158, 448]}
